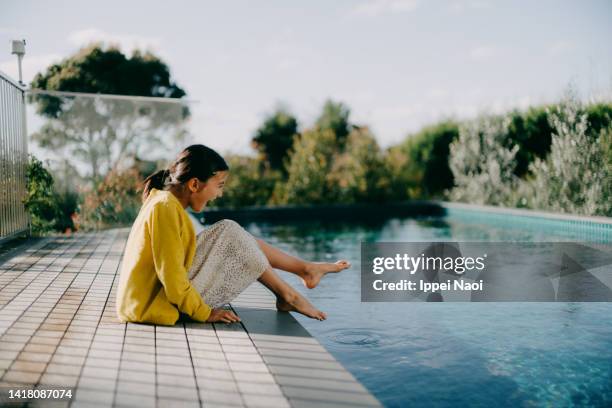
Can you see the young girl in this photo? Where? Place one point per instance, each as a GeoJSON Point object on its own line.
{"type": "Point", "coordinates": [167, 269]}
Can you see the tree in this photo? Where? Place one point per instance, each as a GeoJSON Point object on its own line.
{"type": "Point", "coordinates": [250, 182]}
{"type": "Point", "coordinates": [274, 138]}
{"type": "Point", "coordinates": [103, 134]}
{"type": "Point", "coordinates": [576, 176]}
{"type": "Point", "coordinates": [94, 69]}
{"type": "Point", "coordinates": [309, 166]}
{"type": "Point", "coordinates": [482, 166]}
{"type": "Point", "coordinates": [425, 172]}
{"type": "Point", "coordinates": [335, 117]}
{"type": "Point", "coordinates": [358, 174]}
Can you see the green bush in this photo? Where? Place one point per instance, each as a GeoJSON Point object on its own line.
{"type": "Point", "coordinates": [308, 168]}
{"type": "Point", "coordinates": [576, 175]}
{"type": "Point", "coordinates": [250, 182]}
{"type": "Point", "coordinates": [482, 165]}
{"type": "Point", "coordinates": [114, 202]}
{"type": "Point", "coordinates": [358, 173]}
{"type": "Point", "coordinates": [573, 174]}
{"type": "Point", "coordinates": [40, 201]}
{"type": "Point", "coordinates": [425, 171]}
{"type": "Point", "coordinates": [532, 131]}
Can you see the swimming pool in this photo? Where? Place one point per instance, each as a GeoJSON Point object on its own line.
{"type": "Point", "coordinates": [456, 354]}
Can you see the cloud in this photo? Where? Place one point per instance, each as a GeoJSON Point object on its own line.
{"type": "Point", "coordinates": [373, 8]}
{"type": "Point", "coordinates": [483, 53]}
{"type": "Point", "coordinates": [31, 65]}
{"type": "Point", "coordinates": [128, 42]}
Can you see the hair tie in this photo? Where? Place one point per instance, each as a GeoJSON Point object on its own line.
{"type": "Point", "coordinates": [165, 174]}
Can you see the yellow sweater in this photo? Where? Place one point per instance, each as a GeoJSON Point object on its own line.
{"type": "Point", "coordinates": [153, 285]}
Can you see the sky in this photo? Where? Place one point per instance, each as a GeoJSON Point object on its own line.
{"type": "Point", "coordinates": [398, 64]}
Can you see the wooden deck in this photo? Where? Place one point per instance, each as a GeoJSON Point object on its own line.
{"type": "Point", "coordinates": [58, 329]}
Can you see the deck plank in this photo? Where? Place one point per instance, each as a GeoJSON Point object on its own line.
{"type": "Point", "coordinates": [58, 329]}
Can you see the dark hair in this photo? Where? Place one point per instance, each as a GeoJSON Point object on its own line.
{"type": "Point", "coordinates": [194, 161]}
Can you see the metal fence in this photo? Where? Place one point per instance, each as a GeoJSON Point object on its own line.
{"type": "Point", "coordinates": [13, 159]}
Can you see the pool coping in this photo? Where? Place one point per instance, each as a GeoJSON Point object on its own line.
{"type": "Point", "coordinates": [523, 212]}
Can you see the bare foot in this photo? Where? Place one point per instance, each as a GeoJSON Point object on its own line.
{"type": "Point", "coordinates": [316, 270]}
{"type": "Point", "coordinates": [297, 303]}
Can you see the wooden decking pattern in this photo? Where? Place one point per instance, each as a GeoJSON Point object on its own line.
{"type": "Point", "coordinates": [58, 329]}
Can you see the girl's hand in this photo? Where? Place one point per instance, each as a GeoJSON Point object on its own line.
{"type": "Point", "coordinates": [222, 315]}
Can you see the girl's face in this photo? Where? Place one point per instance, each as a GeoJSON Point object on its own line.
{"type": "Point", "coordinates": [206, 191]}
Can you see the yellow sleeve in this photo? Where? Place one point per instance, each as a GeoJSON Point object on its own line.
{"type": "Point", "coordinates": [168, 257]}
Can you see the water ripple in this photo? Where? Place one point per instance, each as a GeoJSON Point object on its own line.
{"type": "Point", "coordinates": [356, 337]}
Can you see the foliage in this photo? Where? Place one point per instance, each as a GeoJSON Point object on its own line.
{"type": "Point", "coordinates": [250, 182]}
{"type": "Point", "coordinates": [426, 172]}
{"type": "Point", "coordinates": [531, 132]}
{"type": "Point", "coordinates": [309, 165]}
{"type": "Point", "coordinates": [94, 69]}
{"type": "Point", "coordinates": [114, 202]}
{"type": "Point", "coordinates": [40, 200]}
{"type": "Point", "coordinates": [335, 118]}
{"type": "Point", "coordinates": [576, 175]}
{"type": "Point", "coordinates": [401, 184]}
{"type": "Point", "coordinates": [274, 138]}
{"type": "Point", "coordinates": [482, 166]}
{"type": "Point", "coordinates": [358, 173]}
{"type": "Point", "coordinates": [107, 133]}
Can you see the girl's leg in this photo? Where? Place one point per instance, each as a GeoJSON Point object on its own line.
{"type": "Point", "coordinates": [287, 298]}
{"type": "Point", "coordinates": [310, 272]}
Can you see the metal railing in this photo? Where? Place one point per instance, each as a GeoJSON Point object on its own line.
{"type": "Point", "coordinates": [13, 159]}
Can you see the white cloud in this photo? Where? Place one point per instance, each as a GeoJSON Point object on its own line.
{"type": "Point", "coordinates": [127, 42]}
{"type": "Point", "coordinates": [483, 53]}
{"type": "Point", "coordinates": [373, 8]}
{"type": "Point", "coordinates": [31, 65]}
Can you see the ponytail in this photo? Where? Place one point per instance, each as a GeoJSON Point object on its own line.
{"type": "Point", "coordinates": [156, 180]}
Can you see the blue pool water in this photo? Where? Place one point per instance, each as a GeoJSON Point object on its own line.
{"type": "Point", "coordinates": [455, 354]}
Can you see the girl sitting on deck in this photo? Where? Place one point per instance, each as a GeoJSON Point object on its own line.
{"type": "Point", "coordinates": [167, 269]}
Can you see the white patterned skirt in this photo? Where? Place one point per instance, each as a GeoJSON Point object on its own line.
{"type": "Point", "coordinates": [227, 260]}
